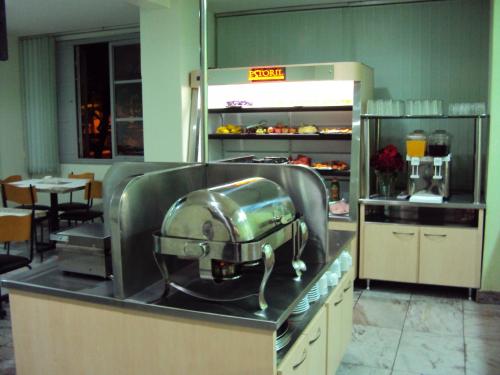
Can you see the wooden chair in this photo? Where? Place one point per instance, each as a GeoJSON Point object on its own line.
{"type": "Point", "coordinates": [93, 190]}
{"type": "Point", "coordinates": [67, 206]}
{"type": "Point", "coordinates": [15, 229]}
{"type": "Point", "coordinates": [26, 198]}
{"type": "Point", "coordinates": [12, 178]}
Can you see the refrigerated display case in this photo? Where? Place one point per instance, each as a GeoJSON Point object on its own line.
{"type": "Point", "coordinates": [297, 112]}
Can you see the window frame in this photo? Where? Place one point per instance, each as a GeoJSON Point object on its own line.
{"type": "Point", "coordinates": [70, 128]}
{"type": "Point", "coordinates": [112, 85]}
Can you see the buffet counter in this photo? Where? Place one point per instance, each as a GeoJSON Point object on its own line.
{"type": "Point", "coordinates": [73, 314]}
{"type": "Point", "coordinates": [49, 280]}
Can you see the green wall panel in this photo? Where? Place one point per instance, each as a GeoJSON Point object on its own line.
{"type": "Point", "coordinates": [437, 49]}
{"type": "Point", "coordinates": [434, 50]}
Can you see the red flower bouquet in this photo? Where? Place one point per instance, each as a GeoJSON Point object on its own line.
{"type": "Point", "coordinates": [387, 160]}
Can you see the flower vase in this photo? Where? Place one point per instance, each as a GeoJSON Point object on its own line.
{"type": "Point", "coordinates": [385, 183]}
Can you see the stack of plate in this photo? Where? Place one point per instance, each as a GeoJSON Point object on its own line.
{"type": "Point", "coordinates": [282, 336]}
{"type": "Point", "coordinates": [313, 294]}
{"type": "Point", "coordinates": [301, 307]}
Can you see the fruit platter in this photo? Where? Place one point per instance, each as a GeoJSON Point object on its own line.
{"type": "Point", "coordinates": [279, 128]}
{"type": "Point", "coordinates": [332, 166]}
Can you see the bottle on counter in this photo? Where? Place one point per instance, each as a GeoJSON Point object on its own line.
{"type": "Point", "coordinates": [439, 143]}
{"type": "Point", "coordinates": [335, 190]}
{"type": "Point", "coordinates": [416, 143]}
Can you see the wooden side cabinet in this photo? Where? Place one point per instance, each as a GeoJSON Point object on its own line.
{"type": "Point", "coordinates": [390, 252]}
{"type": "Point", "coordinates": [324, 342]}
{"type": "Point", "coordinates": [450, 256]}
{"type": "Point", "coordinates": [437, 255]}
{"type": "Point", "coordinates": [339, 307]}
{"type": "Point", "coordinates": [317, 343]}
{"type": "Point", "coordinates": [296, 361]}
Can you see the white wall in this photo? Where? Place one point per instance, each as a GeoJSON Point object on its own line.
{"type": "Point", "coordinates": [12, 147]}
{"type": "Point", "coordinates": [169, 51]}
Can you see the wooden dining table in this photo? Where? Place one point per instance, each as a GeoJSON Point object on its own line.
{"type": "Point", "coordinates": [54, 186]}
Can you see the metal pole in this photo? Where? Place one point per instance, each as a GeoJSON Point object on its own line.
{"type": "Point", "coordinates": [203, 152]}
{"type": "Point", "coordinates": [366, 137]}
{"type": "Point", "coordinates": [377, 134]}
{"type": "Point", "coordinates": [478, 125]}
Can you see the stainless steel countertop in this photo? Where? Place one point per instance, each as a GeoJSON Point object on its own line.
{"type": "Point", "coordinates": [282, 293]}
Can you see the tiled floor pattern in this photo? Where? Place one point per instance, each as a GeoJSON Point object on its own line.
{"type": "Point", "coordinates": [398, 332]}
{"type": "Point", "coordinates": [431, 331]}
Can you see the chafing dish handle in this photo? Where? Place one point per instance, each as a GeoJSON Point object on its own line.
{"type": "Point", "coordinates": [268, 254]}
{"type": "Point", "coordinates": [300, 241]}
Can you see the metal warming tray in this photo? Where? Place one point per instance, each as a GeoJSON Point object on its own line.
{"type": "Point", "coordinates": [85, 249]}
{"type": "Point", "coordinates": [228, 229]}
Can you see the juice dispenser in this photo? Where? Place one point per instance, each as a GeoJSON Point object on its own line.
{"type": "Point", "coordinates": [429, 176]}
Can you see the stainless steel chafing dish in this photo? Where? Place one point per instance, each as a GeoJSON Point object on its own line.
{"type": "Point", "coordinates": [228, 229]}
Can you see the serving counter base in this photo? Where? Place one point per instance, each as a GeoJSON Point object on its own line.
{"type": "Point", "coordinates": [58, 336]}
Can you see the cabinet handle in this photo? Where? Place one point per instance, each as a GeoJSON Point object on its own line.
{"type": "Point", "coordinates": [404, 233]}
{"type": "Point", "coordinates": [317, 337]}
{"type": "Point", "coordinates": [346, 289]}
{"type": "Point", "coordinates": [435, 235]}
{"type": "Point", "coordinates": [338, 302]}
{"type": "Point", "coordinates": [304, 356]}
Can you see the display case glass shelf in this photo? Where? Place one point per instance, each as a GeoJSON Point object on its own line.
{"type": "Point", "coordinates": [313, 137]}
{"type": "Point", "coordinates": [464, 201]}
{"type": "Point", "coordinates": [280, 109]}
{"type": "Point", "coordinates": [420, 117]}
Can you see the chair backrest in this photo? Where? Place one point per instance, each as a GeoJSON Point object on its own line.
{"type": "Point", "coordinates": [19, 195]}
{"type": "Point", "coordinates": [86, 175]}
{"type": "Point", "coordinates": [6, 180]}
{"type": "Point", "coordinates": [93, 190]}
{"type": "Point", "coordinates": [12, 178]}
{"type": "Point", "coordinates": [15, 228]}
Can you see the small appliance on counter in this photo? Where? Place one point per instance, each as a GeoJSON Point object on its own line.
{"type": "Point", "coordinates": [428, 166]}
{"type": "Point", "coordinates": [219, 243]}
{"type": "Point", "coordinates": [85, 249]}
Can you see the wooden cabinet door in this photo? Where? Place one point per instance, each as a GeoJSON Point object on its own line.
{"type": "Point", "coordinates": [450, 256]}
{"type": "Point", "coordinates": [316, 339]}
{"type": "Point", "coordinates": [390, 252]}
{"type": "Point", "coordinates": [346, 307]}
{"type": "Point", "coordinates": [296, 361]}
{"type": "Point", "coordinates": [335, 333]}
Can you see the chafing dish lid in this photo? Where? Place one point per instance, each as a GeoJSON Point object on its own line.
{"type": "Point", "coordinates": [239, 211]}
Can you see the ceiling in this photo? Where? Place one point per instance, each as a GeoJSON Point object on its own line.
{"type": "Point", "coordinates": [31, 17]}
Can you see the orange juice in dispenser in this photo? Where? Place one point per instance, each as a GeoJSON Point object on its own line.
{"type": "Point", "coordinates": [416, 144]}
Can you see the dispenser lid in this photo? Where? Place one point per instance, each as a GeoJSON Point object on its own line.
{"type": "Point", "coordinates": [417, 135]}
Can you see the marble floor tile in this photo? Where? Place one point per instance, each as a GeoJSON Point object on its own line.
{"type": "Point", "coordinates": [372, 347]}
{"type": "Point", "coordinates": [356, 294]}
{"type": "Point", "coordinates": [380, 312]}
{"type": "Point", "coordinates": [7, 367]}
{"type": "Point", "coordinates": [347, 369]}
{"type": "Point", "coordinates": [422, 291]}
{"type": "Point", "coordinates": [482, 356]}
{"type": "Point", "coordinates": [430, 354]}
{"type": "Point", "coordinates": [458, 302]}
{"type": "Point", "coordinates": [5, 336]}
{"type": "Point", "coordinates": [481, 308]}
{"type": "Point", "coordinates": [435, 316]}
{"type": "Point", "coordinates": [387, 293]}
{"type": "Point", "coordinates": [484, 323]}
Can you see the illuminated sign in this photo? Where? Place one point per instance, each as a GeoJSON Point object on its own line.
{"type": "Point", "coordinates": [273, 73]}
